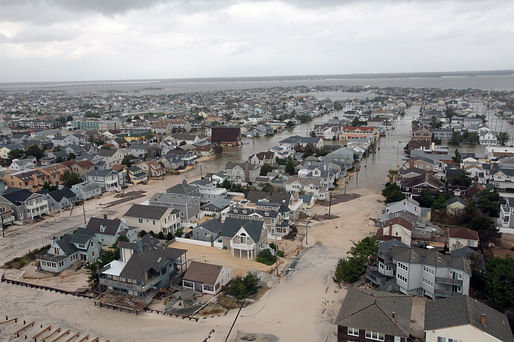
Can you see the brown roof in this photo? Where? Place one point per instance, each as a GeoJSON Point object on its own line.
{"type": "Point", "coordinates": [463, 233]}
{"type": "Point", "coordinates": [202, 273]}
{"type": "Point", "coordinates": [85, 163]}
{"type": "Point", "coordinates": [225, 134]}
{"type": "Point", "coordinates": [400, 221]}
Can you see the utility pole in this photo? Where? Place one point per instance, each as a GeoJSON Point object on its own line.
{"type": "Point", "coordinates": [201, 175]}
{"type": "Point", "coordinates": [84, 211]}
{"type": "Point", "coordinates": [306, 232]}
{"type": "Point", "coordinates": [276, 249]}
{"type": "Point", "coordinates": [329, 202]}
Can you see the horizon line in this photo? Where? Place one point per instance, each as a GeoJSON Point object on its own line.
{"type": "Point", "coordinates": [356, 75]}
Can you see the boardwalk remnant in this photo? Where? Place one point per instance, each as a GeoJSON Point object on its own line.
{"type": "Point", "coordinates": [67, 332]}
{"type": "Point", "coordinates": [17, 333]}
{"type": "Point", "coordinates": [58, 330]}
{"type": "Point", "coordinates": [48, 328]}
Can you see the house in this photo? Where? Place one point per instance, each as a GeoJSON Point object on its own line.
{"type": "Point", "coordinates": [311, 167]}
{"type": "Point", "coordinates": [383, 275]}
{"type": "Point", "coordinates": [107, 180]}
{"type": "Point", "coordinates": [206, 278]}
{"type": "Point", "coordinates": [172, 162]}
{"type": "Point", "coordinates": [487, 138]}
{"type": "Point", "coordinates": [79, 167]}
{"type": "Point", "coordinates": [59, 199]}
{"type": "Point", "coordinates": [7, 214]}
{"type": "Point", "coordinates": [461, 318]}
{"type": "Point", "coordinates": [242, 173]}
{"type": "Point", "coordinates": [138, 150]}
{"type": "Point", "coordinates": [427, 272]}
{"type": "Point", "coordinates": [407, 204]}
{"type": "Point", "coordinates": [276, 224]}
{"type": "Point", "coordinates": [107, 231]}
{"type": "Point", "coordinates": [296, 140]}
{"type": "Point", "coordinates": [416, 185]}
{"type": "Point", "coordinates": [153, 218]}
{"type": "Point", "coordinates": [86, 190]}
{"type": "Point", "coordinates": [136, 175]}
{"type": "Point", "coordinates": [459, 237]}
{"type": "Point", "coordinates": [423, 163]}
{"type": "Point", "coordinates": [66, 140]}
{"type": "Point", "coordinates": [32, 180]}
{"type": "Point", "coordinates": [243, 237]}
{"type": "Point", "coordinates": [23, 164]}
{"type": "Point", "coordinates": [308, 185]}
{"type": "Point", "coordinates": [54, 173]}
{"type": "Point", "coordinates": [189, 206]}
{"type": "Point", "coordinates": [207, 231]}
{"type": "Point", "coordinates": [153, 168]}
{"type": "Point", "coordinates": [262, 158]}
{"type": "Point", "coordinates": [112, 156]}
{"type": "Point", "coordinates": [372, 315]}
{"type": "Point", "coordinates": [69, 250]}
{"type": "Point", "coordinates": [506, 219]}
{"type": "Point", "coordinates": [443, 134]}
{"type": "Point", "coordinates": [455, 206]}
{"type": "Point", "coordinates": [368, 134]}
{"type": "Point", "coordinates": [397, 228]}
{"type": "Point", "coordinates": [422, 134]}
{"type": "Point", "coordinates": [226, 136]}
{"type": "Point", "coordinates": [6, 149]}
{"type": "Point", "coordinates": [144, 265]}
{"type": "Point", "coordinates": [344, 157]}
{"type": "Point", "coordinates": [500, 178]}
{"type": "Point", "coordinates": [184, 189]}
{"type": "Point", "coordinates": [25, 204]}
{"type": "Point", "coordinates": [187, 157]}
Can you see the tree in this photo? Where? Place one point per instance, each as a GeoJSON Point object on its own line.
{"type": "Point", "coordinates": [499, 283]}
{"type": "Point", "coordinates": [179, 232]}
{"type": "Point", "coordinates": [462, 180]}
{"type": "Point", "coordinates": [15, 154]}
{"type": "Point", "coordinates": [426, 199]}
{"type": "Point", "coordinates": [502, 137]}
{"type": "Point", "coordinates": [48, 186]}
{"type": "Point", "coordinates": [367, 248]}
{"type": "Point", "coordinates": [486, 229]}
{"type": "Point", "coordinates": [70, 178]}
{"type": "Point", "coordinates": [71, 156]}
{"type": "Point", "coordinates": [290, 167]}
{"type": "Point", "coordinates": [392, 193]}
{"type": "Point", "coordinates": [35, 151]}
{"type": "Point", "coordinates": [244, 287]}
{"type": "Point", "coordinates": [265, 169]}
{"type": "Point", "coordinates": [141, 233]}
{"type": "Point", "coordinates": [457, 159]}
{"type": "Point", "coordinates": [127, 161]}
{"type": "Point", "coordinates": [266, 257]}
{"type": "Point", "coordinates": [349, 270]}
{"type": "Point", "coordinates": [449, 113]}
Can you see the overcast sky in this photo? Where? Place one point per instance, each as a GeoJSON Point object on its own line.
{"type": "Point", "coordinates": [55, 40]}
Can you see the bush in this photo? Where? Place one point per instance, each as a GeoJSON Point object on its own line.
{"type": "Point", "coordinates": [179, 232]}
{"type": "Point", "coordinates": [160, 236]}
{"type": "Point", "coordinates": [392, 193]}
{"type": "Point", "coordinates": [141, 233]}
{"type": "Point", "coordinates": [169, 236]}
{"type": "Point", "coordinates": [266, 257]}
{"type": "Point", "coordinates": [244, 287]}
{"type": "Point", "coordinates": [349, 270]}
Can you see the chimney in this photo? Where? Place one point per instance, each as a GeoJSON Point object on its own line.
{"type": "Point", "coordinates": [483, 319]}
{"type": "Point", "coordinates": [105, 216]}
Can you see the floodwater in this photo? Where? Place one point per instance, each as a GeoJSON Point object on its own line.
{"type": "Point", "coordinates": [373, 170]}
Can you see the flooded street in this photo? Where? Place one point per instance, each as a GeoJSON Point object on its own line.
{"type": "Point", "coordinates": [373, 169]}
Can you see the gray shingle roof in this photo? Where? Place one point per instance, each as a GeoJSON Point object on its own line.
{"type": "Point", "coordinates": [231, 226]}
{"type": "Point", "coordinates": [146, 211]}
{"type": "Point", "coordinates": [383, 312]}
{"type": "Point", "coordinates": [460, 310]}
{"type": "Point", "coordinates": [430, 257]}
{"type": "Point", "coordinates": [214, 226]}
{"type": "Point", "coordinates": [203, 273]}
{"type": "Point", "coordinates": [111, 226]}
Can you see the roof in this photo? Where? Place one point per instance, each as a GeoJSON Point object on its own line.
{"type": "Point", "coordinates": [18, 196]}
{"type": "Point", "coordinates": [59, 194]}
{"type": "Point", "coordinates": [182, 188]}
{"type": "Point", "coordinates": [383, 312]}
{"type": "Point", "coordinates": [461, 310]}
{"type": "Point", "coordinates": [430, 257]}
{"type": "Point", "coordinates": [254, 228]}
{"type": "Point", "coordinates": [81, 236]}
{"type": "Point", "coordinates": [214, 226]}
{"type": "Point", "coordinates": [225, 134]}
{"type": "Point", "coordinates": [400, 221]}
{"type": "Point", "coordinates": [111, 226]}
{"type": "Point", "coordinates": [202, 273]}
{"type": "Point", "coordinates": [281, 197]}
{"type": "Point", "coordinates": [463, 233]}
{"type": "Point", "coordinates": [146, 211]}
{"type": "Point", "coordinates": [456, 199]}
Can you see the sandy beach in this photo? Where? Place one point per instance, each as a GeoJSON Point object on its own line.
{"type": "Point", "coordinates": [299, 307]}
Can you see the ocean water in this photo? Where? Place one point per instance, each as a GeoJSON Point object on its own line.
{"type": "Point", "coordinates": [486, 80]}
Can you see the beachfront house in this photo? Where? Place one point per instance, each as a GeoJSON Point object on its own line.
{"type": "Point", "coordinates": [189, 206]}
{"type": "Point", "coordinates": [244, 238]}
{"type": "Point", "coordinates": [107, 231]}
{"type": "Point", "coordinates": [86, 190]}
{"type": "Point", "coordinates": [206, 278]}
{"type": "Point", "coordinates": [153, 218]}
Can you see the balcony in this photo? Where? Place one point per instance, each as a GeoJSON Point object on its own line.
{"type": "Point", "coordinates": [443, 292]}
{"type": "Point", "coordinates": [448, 281]}
{"type": "Point", "coordinates": [243, 246]}
{"type": "Point", "coordinates": [130, 286]}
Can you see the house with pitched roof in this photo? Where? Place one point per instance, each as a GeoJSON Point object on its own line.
{"type": "Point", "coordinates": [60, 198]}
{"type": "Point", "coordinates": [396, 228]}
{"type": "Point", "coordinates": [459, 237]}
{"type": "Point", "coordinates": [242, 173]}
{"type": "Point", "coordinates": [25, 204]}
{"type": "Point", "coordinates": [108, 180]}
{"type": "Point", "coordinates": [226, 136]}
{"type": "Point", "coordinates": [86, 190]}
{"type": "Point", "coordinates": [373, 315]}
{"type": "Point", "coordinates": [69, 250]}
{"type": "Point", "coordinates": [153, 218]}
{"type": "Point", "coordinates": [144, 265]}
{"type": "Point", "coordinates": [32, 180]}
{"type": "Point", "coordinates": [461, 318]}
{"type": "Point", "coordinates": [106, 231]}
{"type": "Point", "coordinates": [244, 238]}
{"type": "Point", "coordinates": [309, 185]}
{"type": "Point", "coordinates": [206, 278]}
{"type": "Point", "coordinates": [207, 231]}
{"type": "Point", "coordinates": [189, 206]}
{"type": "Point", "coordinates": [262, 158]}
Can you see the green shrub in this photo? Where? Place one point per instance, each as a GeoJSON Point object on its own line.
{"type": "Point", "coordinates": [244, 287]}
{"type": "Point", "coordinates": [266, 257]}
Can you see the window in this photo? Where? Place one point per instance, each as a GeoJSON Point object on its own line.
{"type": "Point", "coordinates": [441, 339]}
{"type": "Point", "coordinates": [353, 332]}
{"type": "Point", "coordinates": [140, 220]}
{"type": "Point", "coordinates": [452, 340]}
{"type": "Point", "coordinates": [373, 335]}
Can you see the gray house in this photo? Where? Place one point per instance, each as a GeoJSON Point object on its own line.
{"type": "Point", "coordinates": [144, 265]}
{"type": "Point", "coordinates": [189, 206]}
{"type": "Point", "coordinates": [108, 180]}
{"type": "Point", "coordinates": [69, 250]}
{"type": "Point", "coordinates": [244, 237]}
{"type": "Point", "coordinates": [25, 204]}
{"type": "Point", "coordinates": [107, 231]}
{"type": "Point", "coordinates": [208, 231]}
{"type": "Point", "coordinates": [60, 198]}
{"type": "Point", "coordinates": [86, 190]}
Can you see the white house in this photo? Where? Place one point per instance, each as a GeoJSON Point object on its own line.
{"type": "Point", "coordinates": [206, 278]}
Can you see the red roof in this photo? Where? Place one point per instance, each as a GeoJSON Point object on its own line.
{"type": "Point", "coordinates": [463, 233]}
{"type": "Point", "coordinates": [400, 221]}
{"type": "Point", "coordinates": [85, 163]}
{"type": "Point", "coordinates": [225, 134]}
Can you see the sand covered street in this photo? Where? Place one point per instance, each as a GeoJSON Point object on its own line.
{"type": "Point", "coordinates": [301, 306]}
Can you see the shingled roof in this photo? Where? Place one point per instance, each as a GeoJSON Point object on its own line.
{"type": "Point", "coordinates": [383, 312]}
{"type": "Point", "coordinates": [200, 272]}
{"type": "Point", "coordinates": [225, 134]}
